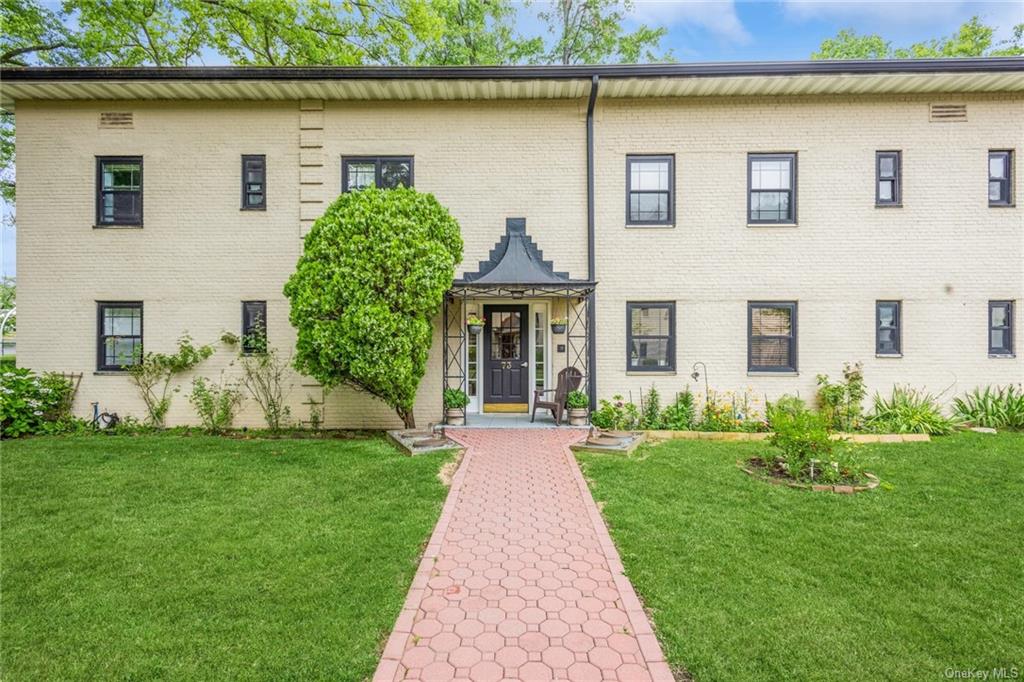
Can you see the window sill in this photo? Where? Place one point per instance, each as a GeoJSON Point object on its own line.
{"type": "Point", "coordinates": [631, 226]}
{"type": "Point", "coordinates": [652, 372]}
{"type": "Point", "coordinates": [891, 356]}
{"type": "Point", "coordinates": [773, 374]}
{"type": "Point", "coordinates": [772, 225]}
{"type": "Point", "coordinates": [117, 227]}
{"type": "Point", "coordinates": [253, 210]}
{"type": "Point", "coordinates": [1002, 356]}
{"type": "Point", "coordinates": [888, 205]}
{"type": "Point", "coordinates": [110, 373]}
{"type": "Point", "coordinates": [1002, 205]}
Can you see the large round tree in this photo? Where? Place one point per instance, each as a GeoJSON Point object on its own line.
{"type": "Point", "coordinates": [372, 276]}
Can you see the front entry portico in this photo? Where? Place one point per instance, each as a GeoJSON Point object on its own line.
{"type": "Point", "coordinates": [517, 294]}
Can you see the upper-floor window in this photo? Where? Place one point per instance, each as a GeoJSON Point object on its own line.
{"type": "Point", "coordinates": [650, 186]}
{"type": "Point", "coordinates": [650, 337]}
{"type": "Point", "coordinates": [888, 190]}
{"type": "Point", "coordinates": [887, 328]}
{"type": "Point", "coordinates": [118, 190]}
{"type": "Point", "coordinates": [385, 172]}
{"type": "Point", "coordinates": [254, 327]}
{"type": "Point", "coordinates": [771, 336]}
{"type": "Point", "coordinates": [118, 335]}
{"type": "Point", "coordinates": [254, 182]}
{"type": "Point", "coordinates": [1000, 327]}
{"type": "Point", "coordinates": [1000, 178]}
{"type": "Point", "coordinates": [771, 179]}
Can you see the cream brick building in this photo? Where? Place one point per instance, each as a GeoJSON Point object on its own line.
{"type": "Point", "coordinates": [642, 185]}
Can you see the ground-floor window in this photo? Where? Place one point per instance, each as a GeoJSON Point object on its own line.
{"type": "Point", "coordinates": [887, 328]}
{"type": "Point", "coordinates": [1000, 327]}
{"type": "Point", "coordinates": [539, 339]}
{"type": "Point", "coordinates": [771, 336]}
{"type": "Point", "coordinates": [472, 364]}
{"type": "Point", "coordinates": [650, 332]}
{"type": "Point", "coordinates": [118, 334]}
{"type": "Point", "coordinates": [254, 327]}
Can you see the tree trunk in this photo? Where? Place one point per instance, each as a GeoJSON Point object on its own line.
{"type": "Point", "coordinates": [407, 416]}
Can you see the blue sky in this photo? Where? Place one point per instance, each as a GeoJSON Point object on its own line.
{"type": "Point", "coordinates": [724, 30]}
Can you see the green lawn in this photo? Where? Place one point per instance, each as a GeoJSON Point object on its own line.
{"type": "Point", "coordinates": [748, 581]}
{"type": "Point", "coordinates": [205, 558]}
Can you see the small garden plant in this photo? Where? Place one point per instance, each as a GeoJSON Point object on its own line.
{"type": "Point", "coordinates": [841, 403]}
{"type": "Point", "coordinates": [31, 404]}
{"type": "Point", "coordinates": [152, 374]}
{"type": "Point", "coordinates": [455, 399]}
{"type": "Point", "coordinates": [908, 410]}
{"type": "Point", "coordinates": [577, 400]}
{"type": "Point", "coordinates": [616, 414]}
{"type": "Point", "coordinates": [803, 448]}
{"type": "Point", "coordinates": [994, 407]}
{"type": "Point", "coordinates": [679, 415]}
{"type": "Point", "coordinates": [215, 404]}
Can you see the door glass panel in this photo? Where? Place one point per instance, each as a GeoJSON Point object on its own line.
{"type": "Point", "coordinates": [505, 336]}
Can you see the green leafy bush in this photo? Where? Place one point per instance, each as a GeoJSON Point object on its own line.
{"type": "Point", "coordinates": [215, 405]}
{"type": "Point", "coordinates": [577, 400]}
{"type": "Point", "coordinates": [372, 277]}
{"type": "Point", "coordinates": [998, 407]}
{"type": "Point", "coordinates": [680, 415]}
{"type": "Point", "coordinates": [650, 413]}
{"type": "Point", "coordinates": [616, 414]}
{"type": "Point", "coordinates": [805, 450]}
{"type": "Point", "coordinates": [842, 403]}
{"type": "Point", "coordinates": [455, 399]}
{"type": "Point", "coordinates": [908, 410]}
{"type": "Point", "coordinates": [31, 404]}
{"type": "Point", "coordinates": [786, 405]}
{"type": "Point", "coordinates": [730, 411]}
{"type": "Point", "coordinates": [152, 374]}
{"type": "Point", "coordinates": [263, 377]}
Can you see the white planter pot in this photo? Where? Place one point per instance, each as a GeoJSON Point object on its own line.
{"type": "Point", "coordinates": [577, 416]}
{"type": "Point", "coordinates": [454, 416]}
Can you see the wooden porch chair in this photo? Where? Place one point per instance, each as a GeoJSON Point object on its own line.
{"type": "Point", "coordinates": [569, 379]}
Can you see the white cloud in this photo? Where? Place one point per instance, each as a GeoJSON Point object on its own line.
{"type": "Point", "coordinates": [716, 16]}
{"type": "Point", "coordinates": [874, 16]}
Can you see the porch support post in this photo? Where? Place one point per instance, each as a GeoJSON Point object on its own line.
{"type": "Point", "coordinates": [591, 247]}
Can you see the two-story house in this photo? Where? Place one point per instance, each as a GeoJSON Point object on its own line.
{"type": "Point", "coordinates": [769, 220]}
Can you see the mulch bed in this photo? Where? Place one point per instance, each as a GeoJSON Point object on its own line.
{"type": "Point", "coordinates": [776, 475]}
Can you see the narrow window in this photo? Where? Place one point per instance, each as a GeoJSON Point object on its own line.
{"type": "Point", "coordinates": [650, 186]}
{"type": "Point", "coordinates": [540, 331]}
{"type": "Point", "coordinates": [888, 334]}
{"type": "Point", "coordinates": [771, 179]}
{"type": "Point", "coordinates": [118, 335]}
{"type": "Point", "coordinates": [888, 179]}
{"type": "Point", "coordinates": [651, 331]}
{"type": "Point", "coordinates": [771, 337]}
{"type": "Point", "coordinates": [254, 182]}
{"type": "Point", "coordinates": [385, 172]}
{"type": "Point", "coordinates": [1000, 178]}
{"type": "Point", "coordinates": [118, 190]}
{"type": "Point", "coordinates": [254, 327]}
{"type": "Point", "coordinates": [1000, 327]}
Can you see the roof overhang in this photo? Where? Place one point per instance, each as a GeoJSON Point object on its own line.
{"type": "Point", "coordinates": [839, 77]}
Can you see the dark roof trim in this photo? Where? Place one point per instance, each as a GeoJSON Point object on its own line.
{"type": "Point", "coordinates": [685, 70]}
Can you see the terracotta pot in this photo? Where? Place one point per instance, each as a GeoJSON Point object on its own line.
{"type": "Point", "coordinates": [455, 416]}
{"type": "Point", "coordinates": [557, 328]}
{"type": "Point", "coordinates": [475, 328]}
{"type": "Point", "coordinates": [577, 416]}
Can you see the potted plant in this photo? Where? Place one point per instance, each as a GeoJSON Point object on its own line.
{"type": "Point", "coordinates": [558, 325]}
{"type": "Point", "coordinates": [474, 324]}
{"type": "Point", "coordinates": [455, 401]}
{"type": "Point", "coordinates": [577, 403]}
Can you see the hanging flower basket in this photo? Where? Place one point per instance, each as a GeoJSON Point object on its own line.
{"type": "Point", "coordinates": [558, 325]}
{"type": "Point", "coordinates": [474, 325]}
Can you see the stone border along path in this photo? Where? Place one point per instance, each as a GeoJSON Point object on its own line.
{"type": "Point", "coordinates": [520, 579]}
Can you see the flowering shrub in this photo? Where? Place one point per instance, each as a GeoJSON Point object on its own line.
{"type": "Point", "coordinates": [680, 415]}
{"type": "Point", "coordinates": [732, 412]}
{"type": "Point", "coordinates": [30, 404]}
{"type": "Point", "coordinates": [616, 414]}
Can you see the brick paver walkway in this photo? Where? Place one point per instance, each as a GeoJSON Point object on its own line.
{"type": "Point", "coordinates": [520, 579]}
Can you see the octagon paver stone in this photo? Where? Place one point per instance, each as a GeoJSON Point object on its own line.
{"type": "Point", "coordinates": [519, 559]}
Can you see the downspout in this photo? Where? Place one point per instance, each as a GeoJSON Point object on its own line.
{"type": "Point", "coordinates": [591, 260]}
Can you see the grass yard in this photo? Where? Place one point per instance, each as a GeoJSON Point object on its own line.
{"type": "Point", "coordinates": [748, 581]}
{"type": "Point", "coordinates": [207, 558]}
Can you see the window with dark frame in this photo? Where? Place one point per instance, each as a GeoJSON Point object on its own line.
{"type": "Point", "coordinates": [118, 190]}
{"type": "Point", "coordinates": [650, 337]}
{"type": "Point", "coordinates": [771, 336]}
{"type": "Point", "coordinates": [888, 180]}
{"type": "Point", "coordinates": [1000, 327]}
{"type": "Point", "coordinates": [254, 182]}
{"type": "Point", "coordinates": [771, 184]}
{"type": "Point", "coordinates": [385, 172]}
{"type": "Point", "coordinates": [888, 332]}
{"type": "Point", "coordinates": [254, 327]}
{"type": "Point", "coordinates": [1000, 178]}
{"type": "Point", "coordinates": [650, 189]}
{"type": "Point", "coordinates": [118, 335]}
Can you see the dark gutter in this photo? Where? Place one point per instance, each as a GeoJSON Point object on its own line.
{"type": "Point", "coordinates": [595, 82]}
{"type": "Point", "coordinates": [555, 72]}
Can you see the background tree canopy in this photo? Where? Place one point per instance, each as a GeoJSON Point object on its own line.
{"type": "Point", "coordinates": [372, 276]}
